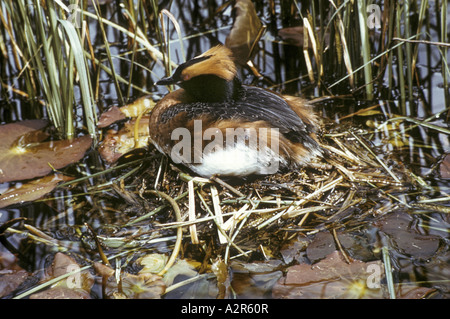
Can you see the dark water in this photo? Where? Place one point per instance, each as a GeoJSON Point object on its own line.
{"type": "Point", "coordinates": [283, 67]}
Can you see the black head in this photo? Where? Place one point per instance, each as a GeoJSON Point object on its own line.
{"type": "Point", "coordinates": [210, 77]}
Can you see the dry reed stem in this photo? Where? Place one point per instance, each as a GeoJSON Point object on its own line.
{"type": "Point", "coordinates": [192, 227]}
{"type": "Point", "coordinates": [218, 213]}
{"type": "Point", "coordinates": [178, 242]}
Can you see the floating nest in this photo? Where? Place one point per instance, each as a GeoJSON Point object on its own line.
{"type": "Point", "coordinates": [155, 210]}
{"type": "Point", "coordinates": [353, 184]}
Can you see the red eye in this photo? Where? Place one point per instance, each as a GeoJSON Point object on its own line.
{"type": "Point", "coordinates": [186, 77]}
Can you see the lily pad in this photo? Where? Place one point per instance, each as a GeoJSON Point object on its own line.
{"type": "Point", "coordinates": [111, 116]}
{"type": "Point", "coordinates": [324, 244]}
{"type": "Point", "coordinates": [24, 155]}
{"type": "Point", "coordinates": [331, 277]}
{"type": "Point", "coordinates": [32, 190]}
{"type": "Point", "coordinates": [407, 238]}
{"type": "Point", "coordinates": [11, 274]}
{"type": "Point", "coordinates": [142, 286]}
{"type": "Point", "coordinates": [445, 167]}
{"type": "Point", "coordinates": [76, 286]}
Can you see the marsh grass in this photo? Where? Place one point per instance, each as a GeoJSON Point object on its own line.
{"type": "Point", "coordinates": [45, 50]}
{"type": "Point", "coordinates": [49, 55]}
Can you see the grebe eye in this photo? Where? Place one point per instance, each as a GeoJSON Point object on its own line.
{"type": "Point", "coordinates": [186, 77]}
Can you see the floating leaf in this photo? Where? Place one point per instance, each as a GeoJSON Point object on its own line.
{"type": "Point", "coordinates": [110, 116]}
{"type": "Point", "coordinates": [11, 281]}
{"type": "Point", "coordinates": [11, 274]}
{"type": "Point", "coordinates": [31, 191]}
{"type": "Point", "coordinates": [255, 280]}
{"type": "Point", "coordinates": [61, 293]}
{"type": "Point", "coordinates": [414, 292]}
{"type": "Point", "coordinates": [103, 270]}
{"type": "Point", "coordinates": [324, 244]}
{"type": "Point", "coordinates": [331, 277]}
{"type": "Point", "coordinates": [117, 143]}
{"type": "Point", "coordinates": [24, 156]}
{"type": "Point", "coordinates": [142, 286]}
{"type": "Point", "coordinates": [406, 239]}
{"type": "Point", "coordinates": [181, 267]}
{"type": "Point", "coordinates": [63, 264]}
{"type": "Point", "coordinates": [134, 109]}
{"type": "Point", "coordinates": [153, 263]}
{"type": "Point", "coordinates": [445, 167]}
{"type": "Point", "coordinates": [76, 286]}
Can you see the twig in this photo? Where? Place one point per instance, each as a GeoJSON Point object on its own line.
{"type": "Point", "coordinates": [219, 228]}
{"type": "Point", "coordinates": [442, 44]}
{"type": "Point", "coordinates": [376, 157]}
{"type": "Point", "coordinates": [99, 246]}
{"type": "Point", "coordinates": [388, 271]}
{"type": "Point", "coordinates": [226, 185]}
{"type": "Point", "coordinates": [156, 210]}
{"type": "Point", "coordinates": [218, 213]}
{"type": "Point", "coordinates": [192, 228]}
{"type": "Point", "coordinates": [338, 242]}
{"type": "Point", "coordinates": [177, 246]}
{"type": "Point", "coordinates": [304, 200]}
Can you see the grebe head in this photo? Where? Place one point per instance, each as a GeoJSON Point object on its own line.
{"type": "Point", "coordinates": [210, 77]}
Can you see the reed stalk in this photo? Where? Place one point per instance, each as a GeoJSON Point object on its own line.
{"type": "Point", "coordinates": [45, 51]}
{"type": "Point", "coordinates": [390, 31]}
{"type": "Point", "coordinates": [49, 51]}
{"type": "Point", "coordinates": [408, 47]}
{"type": "Point", "coordinates": [365, 48]}
{"type": "Point", "coordinates": [108, 54]}
{"type": "Point", "coordinates": [444, 39]}
{"type": "Point", "coordinates": [400, 70]}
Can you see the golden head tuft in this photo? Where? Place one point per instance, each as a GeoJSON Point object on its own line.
{"type": "Point", "coordinates": [219, 62]}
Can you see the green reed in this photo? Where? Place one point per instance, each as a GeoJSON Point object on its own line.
{"type": "Point", "coordinates": [365, 47]}
{"type": "Point", "coordinates": [353, 41]}
{"type": "Point", "coordinates": [444, 39]}
{"type": "Point", "coordinates": [51, 59]}
{"type": "Point", "coordinates": [57, 62]}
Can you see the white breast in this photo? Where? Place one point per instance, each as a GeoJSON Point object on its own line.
{"type": "Point", "coordinates": [239, 160]}
{"type": "Point", "coordinates": [239, 152]}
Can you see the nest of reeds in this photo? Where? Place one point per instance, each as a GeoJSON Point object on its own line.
{"type": "Point", "coordinates": [351, 185]}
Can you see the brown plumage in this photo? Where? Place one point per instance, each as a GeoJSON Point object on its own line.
{"type": "Point", "coordinates": [214, 125]}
